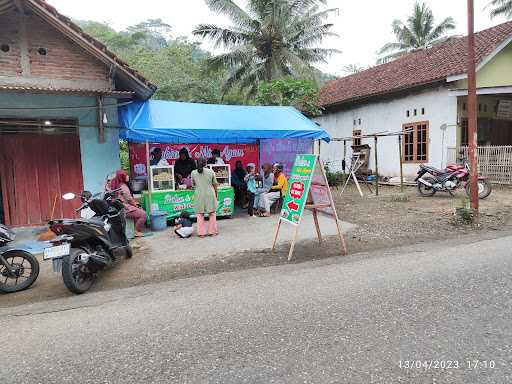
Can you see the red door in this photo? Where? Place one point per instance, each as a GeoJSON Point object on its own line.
{"type": "Point", "coordinates": [35, 171]}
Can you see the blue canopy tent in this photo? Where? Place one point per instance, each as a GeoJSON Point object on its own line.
{"type": "Point", "coordinates": [187, 123]}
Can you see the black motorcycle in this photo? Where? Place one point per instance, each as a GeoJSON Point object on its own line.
{"type": "Point", "coordinates": [18, 268]}
{"type": "Point", "coordinates": [83, 247]}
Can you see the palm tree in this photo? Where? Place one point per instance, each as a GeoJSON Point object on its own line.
{"type": "Point", "coordinates": [501, 8]}
{"type": "Point", "coordinates": [353, 68]}
{"type": "Point", "coordinates": [418, 32]}
{"type": "Point", "coordinates": [269, 39]}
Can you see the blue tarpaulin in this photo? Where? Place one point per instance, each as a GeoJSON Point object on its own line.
{"type": "Point", "coordinates": [186, 123]}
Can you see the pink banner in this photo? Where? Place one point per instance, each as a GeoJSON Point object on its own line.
{"type": "Point", "coordinates": [231, 153]}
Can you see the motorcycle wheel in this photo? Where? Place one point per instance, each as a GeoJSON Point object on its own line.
{"type": "Point", "coordinates": [27, 271]}
{"type": "Point", "coordinates": [75, 278]}
{"type": "Point", "coordinates": [484, 189]}
{"type": "Point", "coordinates": [424, 190]}
{"type": "Point", "coordinates": [129, 252]}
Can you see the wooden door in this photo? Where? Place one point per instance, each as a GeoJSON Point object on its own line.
{"type": "Point", "coordinates": [35, 171]}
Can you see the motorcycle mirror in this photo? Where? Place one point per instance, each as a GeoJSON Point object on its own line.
{"type": "Point", "coordinates": [68, 196]}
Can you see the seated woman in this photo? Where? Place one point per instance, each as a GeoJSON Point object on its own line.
{"type": "Point", "coordinates": [130, 205]}
{"type": "Point", "coordinates": [183, 167]}
{"type": "Point", "coordinates": [276, 191]}
{"type": "Point", "coordinates": [265, 182]}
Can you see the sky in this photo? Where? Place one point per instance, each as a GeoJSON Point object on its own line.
{"type": "Point", "coordinates": [363, 26]}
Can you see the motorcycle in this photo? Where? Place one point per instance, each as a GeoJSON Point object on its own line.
{"type": "Point", "coordinates": [448, 180]}
{"type": "Point", "coordinates": [18, 267]}
{"type": "Point", "coordinates": [83, 247]}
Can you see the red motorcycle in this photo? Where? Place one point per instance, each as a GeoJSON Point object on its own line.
{"type": "Point", "coordinates": [448, 180]}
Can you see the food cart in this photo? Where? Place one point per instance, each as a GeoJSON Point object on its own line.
{"type": "Point", "coordinates": [166, 197]}
{"type": "Point", "coordinates": [233, 129]}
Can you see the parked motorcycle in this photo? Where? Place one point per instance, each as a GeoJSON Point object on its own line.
{"type": "Point", "coordinates": [83, 247]}
{"type": "Point", "coordinates": [18, 267]}
{"type": "Point", "coordinates": [448, 180]}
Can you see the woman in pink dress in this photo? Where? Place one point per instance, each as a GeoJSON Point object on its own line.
{"type": "Point", "coordinates": [133, 211]}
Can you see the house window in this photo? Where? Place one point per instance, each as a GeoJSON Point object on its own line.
{"type": "Point", "coordinates": [415, 142]}
{"type": "Point", "coordinates": [415, 112]}
{"type": "Point", "coordinates": [422, 111]}
{"type": "Point", "coordinates": [356, 140]}
{"type": "Point", "coordinates": [5, 48]}
{"type": "Point", "coordinates": [359, 121]}
{"type": "Point", "coordinates": [408, 113]}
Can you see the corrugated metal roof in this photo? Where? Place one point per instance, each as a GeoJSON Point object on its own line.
{"type": "Point", "coordinates": [105, 92]}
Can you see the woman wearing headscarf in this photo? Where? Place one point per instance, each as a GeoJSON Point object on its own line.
{"type": "Point", "coordinates": [184, 166]}
{"type": "Point", "coordinates": [205, 199]}
{"type": "Point", "coordinates": [130, 205]}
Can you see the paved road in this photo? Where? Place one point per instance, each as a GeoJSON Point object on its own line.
{"type": "Point", "coordinates": [347, 320]}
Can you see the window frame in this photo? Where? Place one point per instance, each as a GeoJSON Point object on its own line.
{"type": "Point", "coordinates": [356, 135]}
{"type": "Point", "coordinates": [415, 125]}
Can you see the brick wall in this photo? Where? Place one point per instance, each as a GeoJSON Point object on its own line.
{"type": "Point", "coordinates": [64, 60]}
{"type": "Point", "coordinates": [10, 64]}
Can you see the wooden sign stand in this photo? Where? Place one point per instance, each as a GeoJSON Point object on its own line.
{"type": "Point", "coordinates": [316, 208]}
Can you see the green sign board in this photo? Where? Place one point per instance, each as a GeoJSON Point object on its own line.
{"type": "Point", "coordinates": [298, 188]}
{"type": "Point", "coordinates": [174, 202]}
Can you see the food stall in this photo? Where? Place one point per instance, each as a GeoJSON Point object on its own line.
{"type": "Point", "coordinates": [165, 196]}
{"type": "Point", "coordinates": [235, 131]}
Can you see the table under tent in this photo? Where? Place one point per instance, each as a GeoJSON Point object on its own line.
{"type": "Point", "coordinates": [249, 134]}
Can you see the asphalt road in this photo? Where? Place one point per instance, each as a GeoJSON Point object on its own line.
{"type": "Point", "coordinates": [403, 316]}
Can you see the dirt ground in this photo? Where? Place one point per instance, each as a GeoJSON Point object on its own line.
{"type": "Point", "coordinates": [387, 221]}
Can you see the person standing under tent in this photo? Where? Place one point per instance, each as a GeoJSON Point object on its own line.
{"type": "Point", "coordinates": [205, 199]}
{"type": "Point", "coordinates": [216, 158]}
{"type": "Point", "coordinates": [250, 181]}
{"type": "Point", "coordinates": [277, 190]}
{"type": "Point", "coordinates": [156, 158]}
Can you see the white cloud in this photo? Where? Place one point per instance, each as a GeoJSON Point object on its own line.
{"type": "Point", "coordinates": [363, 25]}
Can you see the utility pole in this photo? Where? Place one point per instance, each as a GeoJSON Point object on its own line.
{"type": "Point", "coordinates": [472, 114]}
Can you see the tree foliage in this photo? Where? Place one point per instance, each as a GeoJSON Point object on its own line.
{"type": "Point", "coordinates": [267, 40]}
{"type": "Point", "coordinates": [178, 67]}
{"type": "Point", "coordinates": [301, 94]}
{"type": "Point", "coordinates": [418, 32]}
{"type": "Point", "coordinates": [501, 8]}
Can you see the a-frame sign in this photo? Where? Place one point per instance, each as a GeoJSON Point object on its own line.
{"type": "Point", "coordinates": [307, 189]}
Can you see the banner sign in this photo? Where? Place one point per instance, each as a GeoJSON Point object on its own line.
{"type": "Point", "coordinates": [308, 189]}
{"type": "Point", "coordinates": [230, 153]}
{"type": "Point", "coordinates": [283, 151]}
{"type": "Point", "coordinates": [174, 202]}
{"type": "Point", "coordinates": [298, 188]}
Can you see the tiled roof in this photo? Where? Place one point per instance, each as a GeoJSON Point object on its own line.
{"type": "Point", "coordinates": [105, 92]}
{"type": "Point", "coordinates": [415, 69]}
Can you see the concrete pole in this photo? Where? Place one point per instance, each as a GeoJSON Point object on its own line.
{"type": "Point", "coordinates": [472, 112]}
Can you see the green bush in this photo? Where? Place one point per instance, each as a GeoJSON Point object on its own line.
{"type": "Point", "coordinates": [334, 178]}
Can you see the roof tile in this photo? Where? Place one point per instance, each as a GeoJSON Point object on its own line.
{"type": "Point", "coordinates": [415, 69]}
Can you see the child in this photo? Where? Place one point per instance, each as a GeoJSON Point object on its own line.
{"type": "Point", "coordinates": [184, 228]}
{"type": "Point", "coordinates": [250, 180]}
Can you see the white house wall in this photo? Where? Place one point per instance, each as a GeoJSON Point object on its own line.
{"type": "Point", "coordinates": [390, 115]}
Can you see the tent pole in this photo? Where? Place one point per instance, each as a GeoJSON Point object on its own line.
{"type": "Point", "coordinates": [150, 187]}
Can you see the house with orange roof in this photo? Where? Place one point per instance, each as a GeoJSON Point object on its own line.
{"type": "Point", "coordinates": [424, 93]}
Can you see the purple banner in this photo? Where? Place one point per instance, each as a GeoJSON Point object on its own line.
{"type": "Point", "coordinates": [284, 151]}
